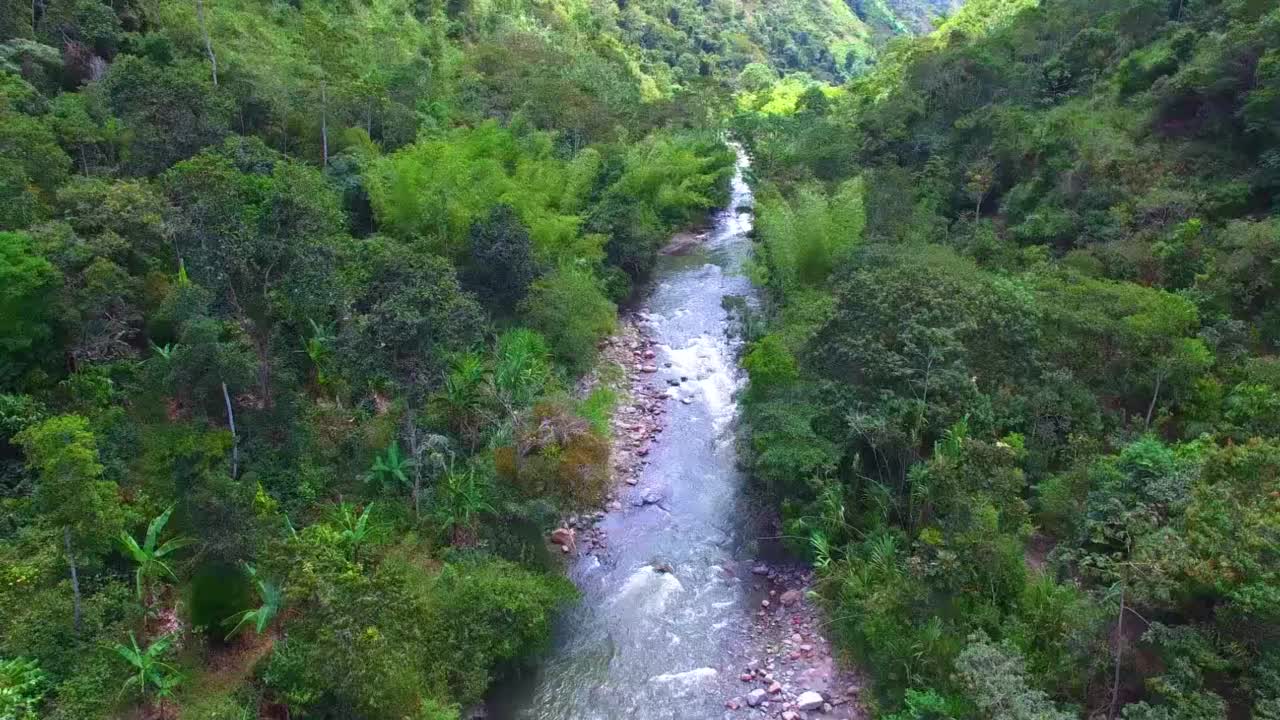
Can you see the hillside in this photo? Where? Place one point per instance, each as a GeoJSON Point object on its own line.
{"type": "Point", "coordinates": [1016, 390]}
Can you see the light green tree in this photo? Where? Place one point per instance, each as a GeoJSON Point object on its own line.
{"type": "Point", "coordinates": [71, 492]}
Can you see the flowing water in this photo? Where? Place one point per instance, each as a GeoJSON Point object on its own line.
{"type": "Point", "coordinates": [644, 643]}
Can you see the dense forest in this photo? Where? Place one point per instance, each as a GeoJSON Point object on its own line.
{"type": "Point", "coordinates": [1016, 383]}
{"type": "Point", "coordinates": [297, 299]}
{"type": "Point", "coordinates": [293, 300]}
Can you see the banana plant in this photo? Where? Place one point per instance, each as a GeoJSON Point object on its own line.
{"type": "Point", "coordinates": [272, 598]}
{"type": "Point", "coordinates": [391, 468]}
{"type": "Point", "coordinates": [319, 348]}
{"type": "Point", "coordinates": [149, 556]}
{"type": "Point", "coordinates": [150, 671]}
{"type": "Point", "coordinates": [463, 495]}
{"type": "Point", "coordinates": [354, 529]}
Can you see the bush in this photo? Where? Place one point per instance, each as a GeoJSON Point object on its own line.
{"type": "Point", "coordinates": [404, 642]}
{"type": "Point", "coordinates": [570, 309]}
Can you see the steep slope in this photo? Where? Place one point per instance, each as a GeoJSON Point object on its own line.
{"type": "Point", "coordinates": [1018, 392]}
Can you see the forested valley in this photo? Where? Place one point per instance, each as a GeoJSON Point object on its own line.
{"type": "Point", "coordinates": [297, 299]}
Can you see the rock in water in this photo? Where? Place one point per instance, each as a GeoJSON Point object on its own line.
{"type": "Point", "coordinates": [563, 536]}
{"type": "Point", "coordinates": [757, 696]}
{"type": "Point", "coordinates": [809, 700]}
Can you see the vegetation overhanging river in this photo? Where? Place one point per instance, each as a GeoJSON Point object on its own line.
{"type": "Point", "coordinates": [644, 642]}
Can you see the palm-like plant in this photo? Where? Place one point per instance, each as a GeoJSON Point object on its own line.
{"type": "Point", "coordinates": [149, 556]}
{"type": "Point", "coordinates": [22, 688]}
{"type": "Point", "coordinates": [463, 496]}
{"type": "Point", "coordinates": [463, 402]}
{"type": "Point", "coordinates": [319, 348]}
{"type": "Point", "coordinates": [165, 352]}
{"type": "Point", "coordinates": [392, 468]}
{"type": "Point", "coordinates": [354, 530]}
{"type": "Point", "coordinates": [272, 599]}
{"type": "Point", "coordinates": [150, 670]}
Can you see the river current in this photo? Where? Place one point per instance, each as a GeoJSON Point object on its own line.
{"type": "Point", "coordinates": [644, 643]}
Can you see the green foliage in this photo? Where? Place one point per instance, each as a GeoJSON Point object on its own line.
{"type": "Point", "coordinates": [251, 260]}
{"type": "Point", "coordinates": [407, 314]}
{"type": "Point", "coordinates": [152, 676]}
{"type": "Point", "coordinates": [390, 469]}
{"type": "Point", "coordinates": [571, 311]}
{"type": "Point", "coordinates": [803, 238]}
{"type": "Point", "coordinates": [1059, 280]}
{"type": "Point", "coordinates": [995, 676]}
{"type": "Point", "coordinates": [500, 266]}
{"type": "Point", "coordinates": [149, 556]}
{"type": "Point", "coordinates": [353, 530]}
{"type": "Point", "coordinates": [72, 492]}
{"type": "Point", "coordinates": [26, 313]}
{"type": "Point", "coordinates": [22, 687]}
{"type": "Point", "coordinates": [261, 617]}
{"type": "Point", "coordinates": [352, 646]}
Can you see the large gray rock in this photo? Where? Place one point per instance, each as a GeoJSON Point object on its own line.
{"type": "Point", "coordinates": [809, 700]}
{"type": "Point", "coordinates": [757, 696]}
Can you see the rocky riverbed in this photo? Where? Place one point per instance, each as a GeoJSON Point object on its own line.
{"type": "Point", "coordinates": [787, 666]}
{"type": "Point", "coordinates": [685, 612]}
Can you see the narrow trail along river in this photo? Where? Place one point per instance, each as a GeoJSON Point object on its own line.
{"type": "Point", "coordinates": [665, 623]}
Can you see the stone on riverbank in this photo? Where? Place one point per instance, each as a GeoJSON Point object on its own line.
{"type": "Point", "coordinates": [809, 700]}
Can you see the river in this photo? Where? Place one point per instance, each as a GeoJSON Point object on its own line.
{"type": "Point", "coordinates": [644, 643]}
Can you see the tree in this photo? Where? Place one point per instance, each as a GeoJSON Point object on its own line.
{"type": "Point", "coordinates": [28, 284]}
{"type": "Point", "coordinates": [171, 111]}
{"type": "Point", "coordinates": [996, 678]}
{"type": "Point", "coordinates": [259, 233]}
{"type": "Point", "coordinates": [150, 556]}
{"type": "Point", "coordinates": [72, 492]}
{"type": "Point", "coordinates": [407, 314]}
{"type": "Point", "coordinates": [569, 308]}
{"type": "Point", "coordinates": [500, 265]}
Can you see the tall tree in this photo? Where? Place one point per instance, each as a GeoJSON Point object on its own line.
{"type": "Point", "coordinates": [71, 491]}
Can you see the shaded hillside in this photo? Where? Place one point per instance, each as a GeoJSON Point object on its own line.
{"type": "Point", "coordinates": [1018, 391]}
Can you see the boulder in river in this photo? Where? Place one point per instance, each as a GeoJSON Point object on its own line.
{"type": "Point", "coordinates": [563, 537]}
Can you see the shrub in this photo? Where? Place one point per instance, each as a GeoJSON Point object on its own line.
{"type": "Point", "coordinates": [570, 309]}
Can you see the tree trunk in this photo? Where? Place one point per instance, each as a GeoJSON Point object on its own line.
{"type": "Point", "coordinates": [208, 44]}
{"type": "Point", "coordinates": [411, 430]}
{"type": "Point", "coordinates": [324, 123]}
{"type": "Point", "coordinates": [1115, 683]}
{"type": "Point", "coordinates": [75, 579]}
{"type": "Point", "coordinates": [1154, 397]}
{"type": "Point", "coordinates": [235, 440]}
